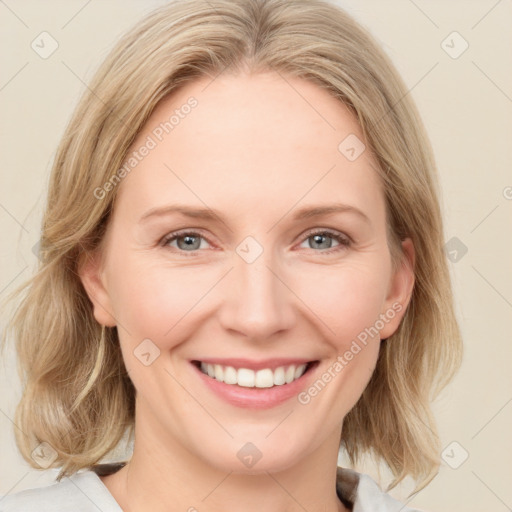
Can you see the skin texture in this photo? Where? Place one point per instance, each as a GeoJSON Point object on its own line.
{"type": "Point", "coordinates": [257, 148]}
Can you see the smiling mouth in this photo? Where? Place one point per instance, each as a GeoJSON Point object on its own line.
{"type": "Point", "coordinates": [247, 378]}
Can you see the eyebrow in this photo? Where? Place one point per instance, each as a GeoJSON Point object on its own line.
{"type": "Point", "coordinates": [306, 212]}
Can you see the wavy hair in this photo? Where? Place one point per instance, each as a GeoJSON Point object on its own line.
{"type": "Point", "coordinates": [77, 396]}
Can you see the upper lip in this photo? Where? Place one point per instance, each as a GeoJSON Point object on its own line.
{"type": "Point", "coordinates": [256, 365]}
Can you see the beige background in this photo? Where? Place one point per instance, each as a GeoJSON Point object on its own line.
{"type": "Point", "coordinates": [466, 103]}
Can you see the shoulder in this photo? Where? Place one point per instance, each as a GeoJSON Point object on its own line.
{"type": "Point", "coordinates": [363, 493]}
{"type": "Point", "coordinates": [83, 492]}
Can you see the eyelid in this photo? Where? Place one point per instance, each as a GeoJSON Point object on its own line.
{"type": "Point", "coordinates": [328, 231]}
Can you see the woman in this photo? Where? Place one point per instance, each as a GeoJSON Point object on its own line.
{"type": "Point", "coordinates": [242, 266]}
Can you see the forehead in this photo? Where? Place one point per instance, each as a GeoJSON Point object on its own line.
{"type": "Point", "coordinates": [243, 141]}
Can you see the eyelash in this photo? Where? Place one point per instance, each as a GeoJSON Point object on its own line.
{"type": "Point", "coordinates": [343, 240]}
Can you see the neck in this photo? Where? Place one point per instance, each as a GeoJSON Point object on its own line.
{"type": "Point", "coordinates": [164, 476]}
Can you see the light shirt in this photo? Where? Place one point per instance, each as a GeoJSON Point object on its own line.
{"type": "Point", "coordinates": [85, 492]}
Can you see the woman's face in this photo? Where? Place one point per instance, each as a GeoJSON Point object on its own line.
{"type": "Point", "coordinates": [248, 239]}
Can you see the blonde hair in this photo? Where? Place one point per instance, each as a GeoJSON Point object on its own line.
{"type": "Point", "coordinates": [77, 396]}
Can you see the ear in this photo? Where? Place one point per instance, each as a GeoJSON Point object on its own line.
{"type": "Point", "coordinates": [399, 292]}
{"type": "Point", "coordinates": [91, 274]}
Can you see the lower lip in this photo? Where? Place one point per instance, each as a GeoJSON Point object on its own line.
{"type": "Point", "coordinates": [255, 398]}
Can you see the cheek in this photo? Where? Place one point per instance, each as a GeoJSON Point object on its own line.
{"type": "Point", "coordinates": [151, 300]}
{"type": "Point", "coordinates": [347, 299]}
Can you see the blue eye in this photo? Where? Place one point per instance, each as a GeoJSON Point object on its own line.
{"type": "Point", "coordinates": [319, 239]}
{"type": "Point", "coordinates": [190, 241]}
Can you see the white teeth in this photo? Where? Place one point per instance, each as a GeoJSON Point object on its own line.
{"type": "Point", "coordinates": [230, 375]}
{"type": "Point", "coordinates": [299, 371]}
{"type": "Point", "coordinates": [247, 378]}
{"type": "Point", "coordinates": [289, 374]}
{"type": "Point", "coordinates": [264, 378]}
{"type": "Point", "coordinates": [279, 376]}
{"type": "Point", "coordinates": [219, 372]}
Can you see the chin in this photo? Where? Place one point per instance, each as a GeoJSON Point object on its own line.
{"type": "Point", "coordinates": [253, 457]}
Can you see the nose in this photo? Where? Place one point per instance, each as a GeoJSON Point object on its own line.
{"type": "Point", "coordinates": [257, 303]}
